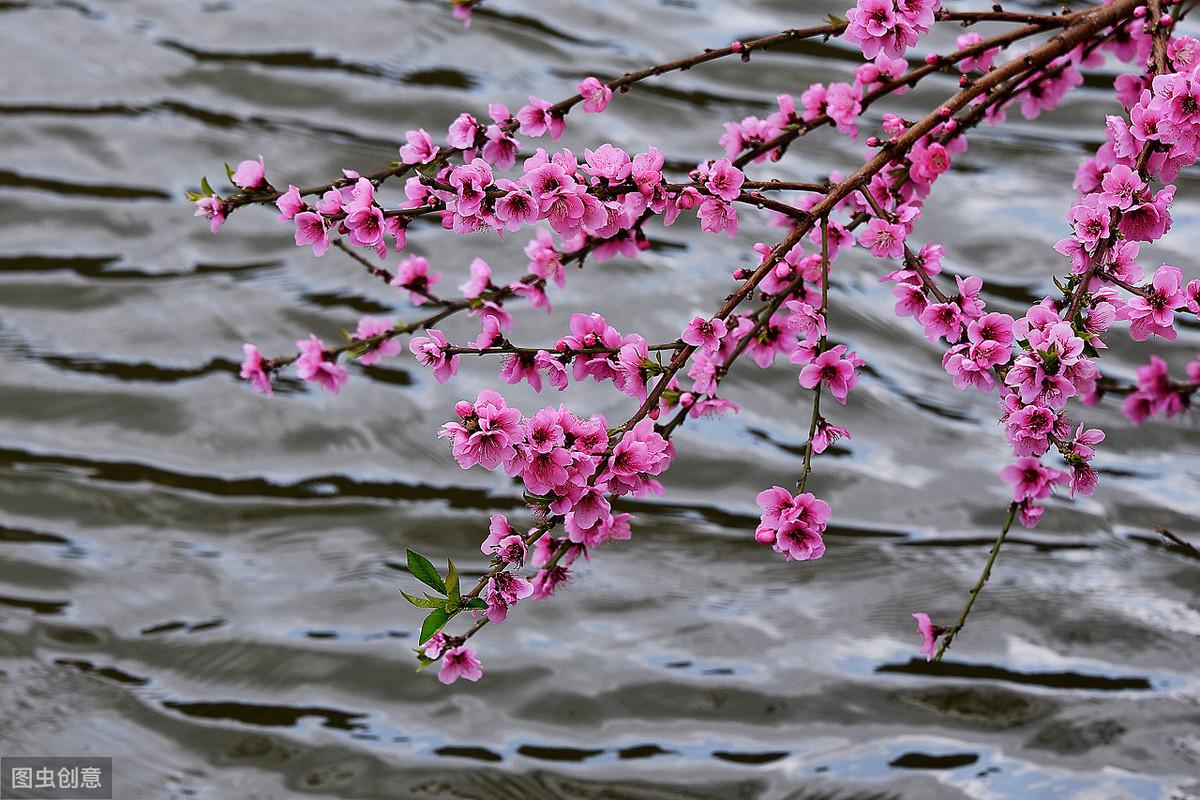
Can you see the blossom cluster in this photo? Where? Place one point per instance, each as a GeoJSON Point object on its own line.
{"type": "Point", "coordinates": [573, 468]}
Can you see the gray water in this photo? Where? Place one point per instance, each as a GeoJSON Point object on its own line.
{"type": "Point", "coordinates": [201, 582]}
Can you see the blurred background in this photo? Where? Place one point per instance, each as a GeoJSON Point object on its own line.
{"type": "Point", "coordinates": [201, 582]}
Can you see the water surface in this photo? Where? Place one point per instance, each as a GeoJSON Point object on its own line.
{"type": "Point", "coordinates": [202, 582]}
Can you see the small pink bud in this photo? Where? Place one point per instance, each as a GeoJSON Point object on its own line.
{"type": "Point", "coordinates": [741, 273]}
{"type": "Point", "coordinates": [687, 399]}
{"type": "Point", "coordinates": [945, 111]}
{"type": "Point", "coordinates": [463, 409]}
{"type": "Point", "coordinates": [653, 414]}
{"type": "Point", "coordinates": [1139, 12]}
{"type": "Point", "coordinates": [736, 47]}
{"type": "Point", "coordinates": [932, 58]}
{"type": "Point", "coordinates": [764, 537]}
{"type": "Point", "coordinates": [950, 125]}
{"type": "Point", "coordinates": [1166, 20]}
{"type": "Point", "coordinates": [872, 141]}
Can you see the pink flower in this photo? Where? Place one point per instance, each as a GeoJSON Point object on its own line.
{"type": "Point", "coordinates": [537, 119]}
{"type": "Point", "coordinates": [213, 209]}
{"type": "Point", "coordinates": [843, 104]}
{"type": "Point", "coordinates": [1121, 186]}
{"type": "Point", "coordinates": [310, 229]}
{"type": "Point", "coordinates": [430, 352]}
{"type": "Point", "coordinates": [717, 216]}
{"type": "Point", "coordinates": [369, 327]}
{"type": "Point", "coordinates": [1155, 314]}
{"type": "Point", "coordinates": [942, 319]}
{"type": "Point", "coordinates": [928, 631]}
{"type": "Point", "coordinates": [981, 62]}
{"type": "Point", "coordinates": [503, 591]}
{"type": "Point", "coordinates": [724, 180]}
{"type": "Point", "coordinates": [366, 225]}
{"type": "Point", "coordinates": [832, 370]}
{"type": "Point", "coordinates": [1090, 223]}
{"type": "Point", "coordinates": [596, 95]}
{"type": "Point", "coordinates": [252, 370]}
{"type": "Point", "coordinates": [872, 27]}
{"type": "Point", "coordinates": [434, 646]}
{"type": "Point", "coordinates": [705, 333]}
{"type": "Point", "coordinates": [481, 279]}
{"type": "Point", "coordinates": [289, 204]}
{"type": "Point", "coordinates": [413, 274]}
{"type": "Point", "coordinates": [929, 160]}
{"type": "Point", "coordinates": [249, 174]}
{"type": "Point", "coordinates": [883, 239]}
{"type": "Point", "coordinates": [826, 434]}
{"type": "Point", "coordinates": [420, 148]}
{"type": "Point", "coordinates": [1030, 479]}
{"type": "Point", "coordinates": [313, 366]}
{"type": "Point", "coordinates": [459, 662]}
{"type": "Point", "coordinates": [462, 132]}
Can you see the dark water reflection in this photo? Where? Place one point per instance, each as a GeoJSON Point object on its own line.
{"type": "Point", "coordinates": [202, 583]}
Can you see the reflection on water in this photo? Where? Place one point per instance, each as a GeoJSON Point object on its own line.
{"type": "Point", "coordinates": [202, 582]}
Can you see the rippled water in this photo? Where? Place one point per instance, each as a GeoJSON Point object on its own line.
{"type": "Point", "coordinates": [202, 583]}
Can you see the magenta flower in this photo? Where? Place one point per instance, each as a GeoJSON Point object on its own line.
{"type": "Point", "coordinates": [310, 229]}
{"type": "Point", "coordinates": [430, 352]}
{"type": "Point", "coordinates": [872, 27]}
{"type": "Point", "coordinates": [1121, 186]}
{"type": "Point", "coordinates": [832, 370]}
{"type": "Point", "coordinates": [705, 333]}
{"type": "Point", "coordinates": [724, 180]}
{"type": "Point", "coordinates": [366, 226]}
{"type": "Point", "coordinates": [826, 434]}
{"type": "Point", "coordinates": [312, 365]}
{"type": "Point", "coordinates": [420, 148]}
{"type": "Point", "coordinates": [289, 204]}
{"type": "Point", "coordinates": [213, 210]}
{"type": "Point", "coordinates": [1155, 314]}
{"type": "Point", "coordinates": [942, 319]}
{"type": "Point", "coordinates": [981, 62]}
{"type": "Point", "coordinates": [252, 370]}
{"type": "Point", "coordinates": [413, 274]}
{"type": "Point", "coordinates": [459, 662]}
{"type": "Point", "coordinates": [462, 132]}
{"type": "Point", "coordinates": [434, 646]}
{"type": "Point", "coordinates": [1091, 223]}
{"type": "Point", "coordinates": [249, 174]}
{"type": "Point", "coordinates": [929, 634]}
{"type": "Point", "coordinates": [503, 591]}
{"type": "Point", "coordinates": [1030, 479]}
{"type": "Point", "coordinates": [481, 279]}
{"type": "Point", "coordinates": [843, 104]}
{"type": "Point", "coordinates": [537, 119]}
{"type": "Point", "coordinates": [717, 216]}
{"type": "Point", "coordinates": [883, 239]}
{"type": "Point", "coordinates": [369, 327]}
{"type": "Point", "coordinates": [596, 95]}
{"type": "Point", "coordinates": [796, 542]}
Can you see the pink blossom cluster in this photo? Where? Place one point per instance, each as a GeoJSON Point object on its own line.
{"type": "Point", "coordinates": [573, 468]}
{"type": "Point", "coordinates": [889, 26]}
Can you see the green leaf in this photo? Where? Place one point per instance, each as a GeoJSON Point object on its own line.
{"type": "Point", "coordinates": [436, 620]}
{"type": "Point", "coordinates": [423, 571]}
{"type": "Point", "coordinates": [425, 662]}
{"type": "Point", "coordinates": [206, 187]}
{"type": "Point", "coordinates": [834, 19]}
{"type": "Point", "coordinates": [476, 604]}
{"type": "Point", "coordinates": [452, 581]}
{"type": "Point", "coordinates": [423, 602]}
{"type": "Point", "coordinates": [229, 172]}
